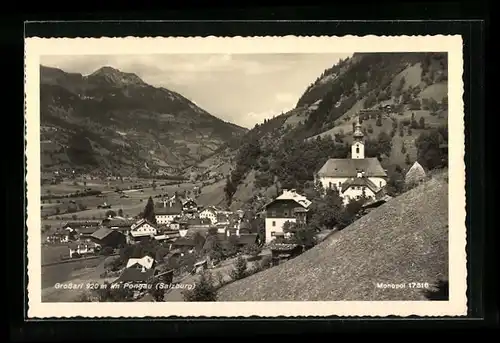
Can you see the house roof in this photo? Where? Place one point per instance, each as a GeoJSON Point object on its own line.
{"type": "Point", "coordinates": [359, 181]}
{"type": "Point", "coordinates": [135, 275]}
{"type": "Point", "coordinates": [199, 221]}
{"type": "Point", "coordinates": [282, 246]}
{"type": "Point", "coordinates": [184, 241]}
{"type": "Point", "coordinates": [247, 239]}
{"type": "Point", "coordinates": [117, 222]}
{"type": "Point", "coordinates": [406, 238]}
{"type": "Point", "coordinates": [346, 167]}
{"type": "Point", "coordinates": [146, 262]}
{"type": "Point", "coordinates": [83, 223]}
{"type": "Point", "coordinates": [292, 195]}
{"type": "Point", "coordinates": [101, 233]}
{"type": "Point", "coordinates": [169, 206]}
{"type": "Point", "coordinates": [87, 229]}
{"type": "Point", "coordinates": [141, 222]}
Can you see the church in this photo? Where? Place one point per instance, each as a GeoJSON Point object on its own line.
{"type": "Point", "coordinates": [355, 176]}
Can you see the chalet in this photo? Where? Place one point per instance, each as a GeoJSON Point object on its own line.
{"type": "Point", "coordinates": [146, 262]}
{"type": "Point", "coordinates": [359, 187]}
{"type": "Point", "coordinates": [289, 206]}
{"type": "Point", "coordinates": [143, 229]}
{"type": "Point", "coordinates": [209, 213]}
{"type": "Point", "coordinates": [108, 238]}
{"type": "Point", "coordinates": [189, 206]}
{"type": "Point", "coordinates": [340, 173]}
{"type": "Point", "coordinates": [281, 252]}
{"type": "Point", "coordinates": [168, 210]}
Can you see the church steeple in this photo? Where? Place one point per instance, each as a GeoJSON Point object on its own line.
{"type": "Point", "coordinates": [358, 147]}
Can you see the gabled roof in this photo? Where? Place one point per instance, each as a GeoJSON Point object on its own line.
{"type": "Point", "coordinates": [292, 195]}
{"type": "Point", "coordinates": [135, 275]}
{"type": "Point", "coordinates": [346, 167]}
{"type": "Point", "coordinates": [282, 246]}
{"type": "Point", "coordinates": [247, 239]}
{"type": "Point", "coordinates": [83, 223]}
{"type": "Point", "coordinates": [359, 181]}
{"type": "Point", "coordinates": [183, 241]}
{"type": "Point", "coordinates": [146, 262]}
{"type": "Point", "coordinates": [116, 222]}
{"type": "Point", "coordinates": [140, 223]}
{"type": "Point", "coordinates": [87, 229]}
{"type": "Point", "coordinates": [102, 233]}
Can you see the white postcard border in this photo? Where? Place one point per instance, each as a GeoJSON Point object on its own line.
{"type": "Point", "coordinates": [457, 304]}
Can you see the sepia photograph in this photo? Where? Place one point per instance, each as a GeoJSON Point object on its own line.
{"type": "Point", "coordinates": [299, 176]}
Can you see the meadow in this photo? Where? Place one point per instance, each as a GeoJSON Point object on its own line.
{"type": "Point", "coordinates": [131, 201]}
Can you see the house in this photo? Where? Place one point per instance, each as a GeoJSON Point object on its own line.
{"type": "Point", "coordinates": [82, 249]}
{"type": "Point", "coordinates": [108, 238]}
{"type": "Point", "coordinates": [199, 225]}
{"type": "Point", "coordinates": [85, 232]}
{"type": "Point", "coordinates": [189, 206]}
{"type": "Point", "coordinates": [184, 244]}
{"type": "Point", "coordinates": [247, 239]}
{"type": "Point", "coordinates": [117, 223]}
{"type": "Point", "coordinates": [209, 213]}
{"type": "Point", "coordinates": [59, 237]}
{"type": "Point", "coordinates": [143, 229]}
{"type": "Point", "coordinates": [135, 276]}
{"type": "Point", "coordinates": [337, 171]}
{"type": "Point", "coordinates": [358, 187]}
{"type": "Point", "coordinates": [289, 206]}
{"type": "Point", "coordinates": [281, 252]}
{"type": "Point", "coordinates": [168, 210]}
{"type": "Point", "coordinates": [145, 262]}
{"type": "Point", "coordinates": [169, 235]}
{"type": "Point", "coordinates": [175, 225]}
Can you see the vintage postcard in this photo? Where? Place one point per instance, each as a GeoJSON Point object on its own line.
{"type": "Point", "coordinates": [269, 176]}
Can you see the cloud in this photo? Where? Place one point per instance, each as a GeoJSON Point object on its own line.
{"type": "Point", "coordinates": [242, 88]}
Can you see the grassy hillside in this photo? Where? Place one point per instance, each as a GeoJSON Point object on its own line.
{"type": "Point", "coordinates": [398, 97]}
{"type": "Point", "coordinates": [402, 241]}
{"type": "Point", "coordinates": [111, 122]}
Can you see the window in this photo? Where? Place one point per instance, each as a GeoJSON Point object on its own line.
{"type": "Point", "coordinates": [285, 213]}
{"type": "Point", "coordinates": [273, 233]}
{"type": "Point", "coordinates": [380, 183]}
{"type": "Point", "coordinates": [330, 185]}
{"type": "Point", "coordinates": [357, 149]}
{"type": "Point", "coordinates": [273, 214]}
{"type": "Point", "coordinates": [274, 223]}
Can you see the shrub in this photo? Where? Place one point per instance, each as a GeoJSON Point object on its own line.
{"type": "Point", "coordinates": [240, 269]}
{"type": "Point", "coordinates": [106, 251]}
{"type": "Point", "coordinates": [204, 289]}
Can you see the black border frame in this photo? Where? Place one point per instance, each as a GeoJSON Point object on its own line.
{"type": "Point", "coordinates": [482, 313]}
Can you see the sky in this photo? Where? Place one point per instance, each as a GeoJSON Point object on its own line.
{"type": "Point", "coordinates": [243, 89]}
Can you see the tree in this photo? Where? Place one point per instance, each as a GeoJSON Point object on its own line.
{"type": "Point", "coordinates": [120, 212]}
{"type": "Point", "coordinates": [421, 122]}
{"type": "Point", "coordinates": [370, 128]}
{"type": "Point", "coordinates": [110, 213]}
{"type": "Point", "coordinates": [401, 132]}
{"type": "Point", "coordinates": [409, 131]}
{"type": "Point", "coordinates": [240, 269]}
{"type": "Point", "coordinates": [429, 154]}
{"type": "Point", "coordinates": [395, 184]}
{"type": "Point", "coordinates": [403, 148]}
{"type": "Point", "coordinates": [204, 289]}
{"type": "Point", "coordinates": [385, 143]}
{"type": "Point", "coordinates": [379, 121]}
{"type": "Point", "coordinates": [251, 249]}
{"type": "Point", "coordinates": [149, 211]}
{"type": "Point", "coordinates": [157, 291]}
{"type": "Point", "coordinates": [407, 159]}
{"type": "Point", "coordinates": [153, 185]}
{"type": "Point", "coordinates": [109, 294]}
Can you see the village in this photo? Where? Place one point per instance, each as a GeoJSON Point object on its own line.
{"type": "Point", "coordinates": [175, 239]}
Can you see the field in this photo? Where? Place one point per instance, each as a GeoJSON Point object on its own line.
{"type": "Point", "coordinates": [63, 272]}
{"type": "Point", "coordinates": [85, 207]}
{"type": "Point", "coordinates": [52, 253]}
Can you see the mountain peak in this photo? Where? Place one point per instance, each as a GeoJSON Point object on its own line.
{"type": "Point", "coordinates": [116, 77]}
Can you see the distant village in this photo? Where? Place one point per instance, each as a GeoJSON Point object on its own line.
{"type": "Point", "coordinates": [179, 222]}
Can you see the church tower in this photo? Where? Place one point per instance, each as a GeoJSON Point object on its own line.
{"type": "Point", "coordinates": [358, 147]}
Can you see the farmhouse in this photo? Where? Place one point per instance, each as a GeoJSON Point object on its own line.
{"type": "Point", "coordinates": [289, 206]}
{"type": "Point", "coordinates": [143, 229]}
{"type": "Point", "coordinates": [353, 176]}
{"type": "Point", "coordinates": [146, 262]}
{"type": "Point", "coordinates": [209, 213]}
{"type": "Point", "coordinates": [168, 210]}
{"type": "Point", "coordinates": [117, 223]}
{"type": "Point", "coordinates": [83, 249]}
{"type": "Point", "coordinates": [189, 206]}
{"type": "Point", "coordinates": [108, 238]}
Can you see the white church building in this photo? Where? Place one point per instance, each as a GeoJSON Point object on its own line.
{"type": "Point", "coordinates": [356, 175]}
